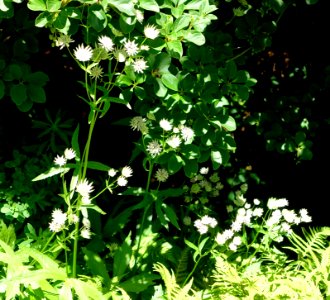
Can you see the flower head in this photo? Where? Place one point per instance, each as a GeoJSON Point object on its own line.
{"type": "Point", "coordinates": [139, 16]}
{"type": "Point", "coordinates": [187, 134]}
{"type": "Point", "coordinates": [83, 53]}
{"type": "Point", "coordinates": [106, 43]}
{"type": "Point", "coordinates": [122, 181]}
{"type": "Point", "coordinates": [131, 48]}
{"type": "Point", "coordinates": [154, 148]}
{"type": "Point", "coordinates": [58, 216]}
{"type": "Point", "coordinates": [174, 141]}
{"type": "Point", "coordinates": [139, 65]}
{"type": "Point", "coordinates": [84, 188]}
{"type": "Point", "coordinates": [63, 41]}
{"type": "Point", "coordinates": [69, 153]}
{"type": "Point", "coordinates": [60, 160]}
{"type": "Point", "coordinates": [161, 175]}
{"type": "Point", "coordinates": [151, 32]}
{"type": "Point", "coordinates": [96, 72]}
{"type": "Point", "coordinates": [165, 125]}
{"type": "Point", "coordinates": [112, 172]}
{"type": "Point", "coordinates": [120, 55]}
{"type": "Point", "coordinates": [204, 171]}
{"type": "Point", "coordinates": [139, 123]}
{"type": "Point", "coordinates": [85, 233]}
{"type": "Point", "coordinates": [126, 171]}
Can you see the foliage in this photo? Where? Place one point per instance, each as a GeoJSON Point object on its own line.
{"type": "Point", "coordinates": [174, 66]}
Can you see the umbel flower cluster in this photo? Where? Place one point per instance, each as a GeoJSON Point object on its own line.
{"type": "Point", "coordinates": [126, 51]}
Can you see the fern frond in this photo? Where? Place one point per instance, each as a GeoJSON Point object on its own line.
{"type": "Point", "coordinates": [173, 290]}
{"type": "Point", "coordinates": [182, 266]}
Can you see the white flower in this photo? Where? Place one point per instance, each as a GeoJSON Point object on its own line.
{"type": "Point", "coordinates": [220, 239]}
{"type": "Point", "coordinates": [55, 227]}
{"type": "Point", "coordinates": [165, 124]}
{"type": "Point", "coordinates": [289, 215]}
{"type": "Point", "coordinates": [274, 203]}
{"type": "Point", "coordinates": [204, 171]}
{"type": "Point", "coordinates": [256, 201]}
{"type": "Point", "coordinates": [86, 222]}
{"type": "Point", "coordinates": [258, 212]}
{"type": "Point", "coordinates": [304, 216]}
{"type": "Point", "coordinates": [161, 175]}
{"type": "Point", "coordinates": [154, 148]}
{"type": "Point", "coordinates": [84, 188]}
{"type": "Point", "coordinates": [106, 43]}
{"type": "Point", "coordinates": [187, 134]}
{"type": "Point", "coordinates": [236, 226]}
{"type": "Point", "coordinates": [139, 16]}
{"type": "Point", "coordinates": [60, 160]}
{"type": "Point", "coordinates": [112, 172]}
{"type": "Point", "coordinates": [139, 123]}
{"type": "Point", "coordinates": [86, 200]}
{"type": "Point", "coordinates": [209, 221]}
{"type": "Point", "coordinates": [69, 153]}
{"type": "Point", "coordinates": [144, 47]}
{"type": "Point", "coordinates": [237, 240]}
{"type": "Point", "coordinates": [201, 228]}
{"type": "Point", "coordinates": [63, 41]}
{"type": "Point", "coordinates": [120, 55]}
{"type": "Point", "coordinates": [228, 234]}
{"type": "Point", "coordinates": [83, 53]}
{"type": "Point", "coordinates": [232, 246]}
{"type": "Point", "coordinates": [174, 141]}
{"type": "Point", "coordinates": [126, 171]}
{"type": "Point", "coordinates": [139, 65]}
{"type": "Point", "coordinates": [58, 216]}
{"type": "Point", "coordinates": [131, 48]}
{"type": "Point", "coordinates": [151, 32]}
{"type": "Point", "coordinates": [85, 233]}
{"type": "Point", "coordinates": [121, 181]}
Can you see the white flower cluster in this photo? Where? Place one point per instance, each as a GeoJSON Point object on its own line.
{"type": "Point", "coordinates": [205, 223]}
{"type": "Point", "coordinates": [125, 173]}
{"type": "Point", "coordinates": [58, 220]}
{"type": "Point", "coordinates": [60, 160]}
{"type": "Point", "coordinates": [126, 52]}
{"type": "Point", "coordinates": [277, 222]}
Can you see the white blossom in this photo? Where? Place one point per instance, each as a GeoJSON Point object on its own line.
{"type": "Point", "coordinates": [106, 43]}
{"type": "Point", "coordinates": [84, 188]}
{"type": "Point", "coordinates": [69, 153]}
{"type": "Point", "coordinates": [154, 148]}
{"type": "Point", "coordinates": [83, 53]}
{"type": "Point", "coordinates": [151, 32]}
{"type": "Point", "coordinates": [165, 124]}
{"type": "Point", "coordinates": [60, 160]}
{"type": "Point", "coordinates": [126, 171]}
{"type": "Point", "coordinates": [131, 48]}
{"type": "Point", "coordinates": [139, 65]}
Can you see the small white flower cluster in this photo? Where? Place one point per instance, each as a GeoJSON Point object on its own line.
{"type": "Point", "coordinates": [60, 160]}
{"type": "Point", "coordinates": [125, 173]}
{"type": "Point", "coordinates": [203, 186]}
{"type": "Point", "coordinates": [85, 188]}
{"type": "Point", "coordinates": [277, 223]}
{"type": "Point", "coordinates": [58, 220]}
{"type": "Point", "coordinates": [138, 123]}
{"type": "Point", "coordinates": [205, 223]}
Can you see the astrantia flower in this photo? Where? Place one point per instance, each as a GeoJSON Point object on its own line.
{"type": "Point", "coordinates": [165, 124]}
{"type": "Point", "coordinates": [274, 203]}
{"type": "Point", "coordinates": [131, 48]}
{"type": "Point", "coordinates": [55, 227]}
{"type": "Point", "coordinates": [209, 221]}
{"type": "Point", "coordinates": [174, 141]}
{"type": "Point", "coordinates": [106, 43]}
{"type": "Point", "coordinates": [187, 134]}
{"type": "Point", "coordinates": [304, 216]}
{"type": "Point", "coordinates": [144, 48]}
{"type": "Point", "coordinates": [69, 153]}
{"type": "Point", "coordinates": [154, 148]}
{"type": "Point", "coordinates": [151, 32]}
{"type": "Point", "coordinates": [201, 228]}
{"type": "Point", "coordinates": [83, 53]}
{"type": "Point", "coordinates": [60, 160]}
{"type": "Point", "coordinates": [127, 171]}
{"type": "Point", "coordinates": [161, 175]}
{"type": "Point", "coordinates": [58, 216]}
{"type": "Point", "coordinates": [122, 181]}
{"type": "Point", "coordinates": [63, 41]}
{"type": "Point", "coordinates": [85, 233]}
{"type": "Point", "coordinates": [112, 172]}
{"type": "Point", "coordinates": [204, 170]}
{"type": "Point", "coordinates": [120, 55]}
{"type": "Point", "coordinates": [84, 188]}
{"type": "Point", "coordinates": [139, 65]}
{"type": "Point", "coordinates": [139, 123]}
{"type": "Point", "coordinates": [96, 72]}
{"type": "Point", "coordinates": [139, 16]}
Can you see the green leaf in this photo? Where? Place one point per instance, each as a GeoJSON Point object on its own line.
{"type": "Point", "coordinates": [191, 245]}
{"type": "Point", "coordinates": [25, 106]}
{"type": "Point", "coordinates": [62, 22]}
{"type": "Point", "coordinates": [229, 124]}
{"type": "Point", "coordinates": [94, 165]}
{"type": "Point", "coordinates": [311, 2]}
{"type": "Point", "coordinates": [138, 283]}
{"type": "Point", "coordinates": [181, 23]}
{"type": "Point", "coordinates": [175, 48]}
{"type": "Point", "coordinates": [36, 93]}
{"type": "Point", "coordinates": [216, 158]}
{"type": "Point", "coordinates": [171, 215]}
{"type": "Point", "coordinates": [190, 168]}
{"type": "Point", "coordinates": [51, 172]}
{"type": "Point", "coordinates": [175, 163]}
{"type": "Point", "coordinates": [43, 19]}
{"type": "Point", "coordinates": [75, 142]}
{"type": "Point", "coordinates": [13, 72]}
{"type": "Point", "coordinates": [44, 5]}
{"type": "Point", "coordinates": [123, 6]}
{"type": "Point", "coordinates": [195, 37]}
{"type": "Point", "coordinates": [122, 257]}
{"type": "Point", "coordinates": [18, 93]}
{"type": "Point", "coordinates": [96, 265]}
{"type": "Point", "coordinates": [170, 81]}
{"type": "Point", "coordinates": [97, 17]}
{"type": "Point", "coordinates": [151, 5]}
